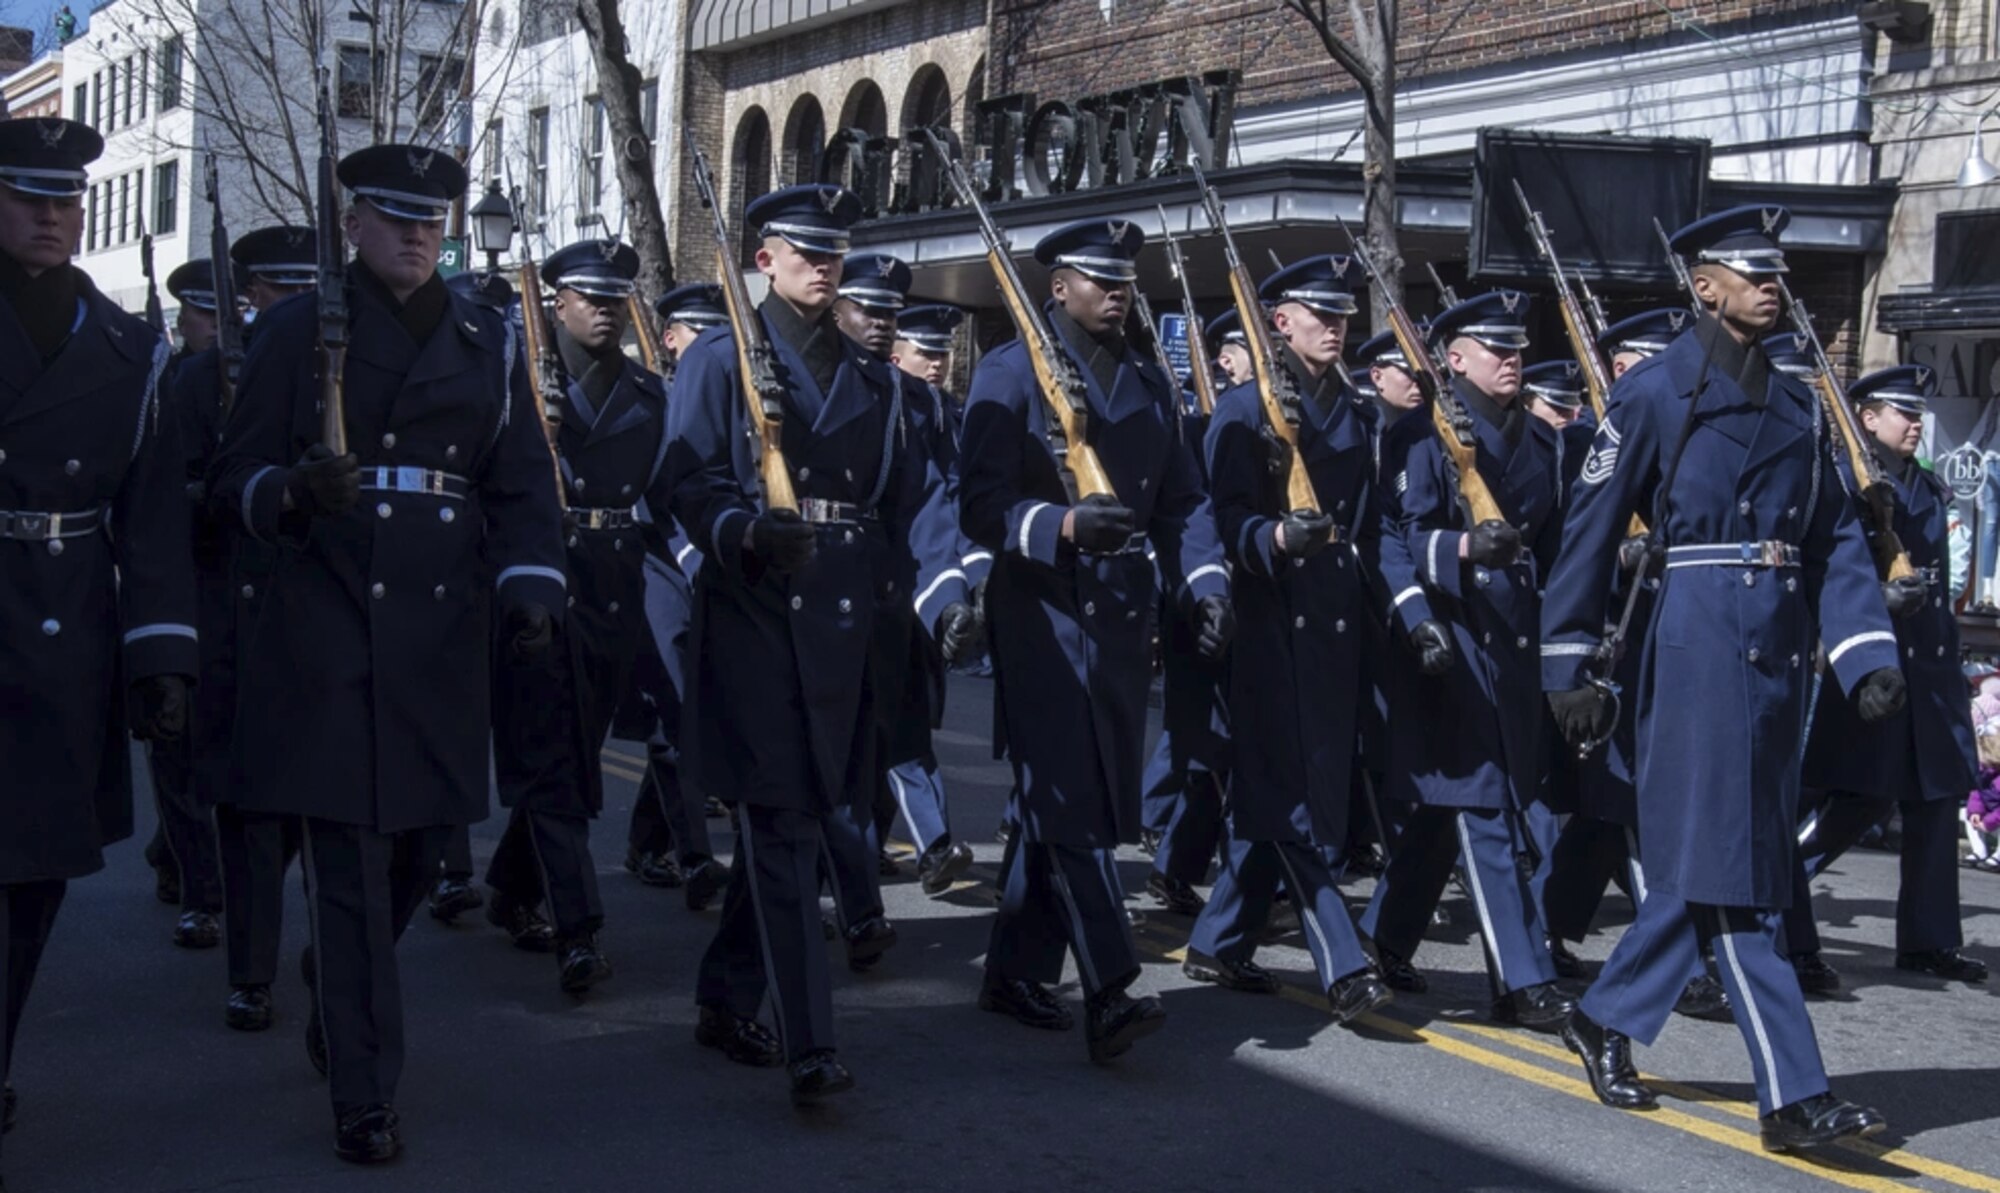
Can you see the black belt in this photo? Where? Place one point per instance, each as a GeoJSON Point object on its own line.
{"type": "Point", "coordinates": [1766, 554]}
{"type": "Point", "coordinates": [820, 510]}
{"type": "Point", "coordinates": [602, 519]}
{"type": "Point", "coordinates": [393, 478]}
{"type": "Point", "coordinates": [42, 528]}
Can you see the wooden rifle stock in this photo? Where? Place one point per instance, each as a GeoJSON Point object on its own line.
{"type": "Point", "coordinates": [762, 394]}
{"type": "Point", "coordinates": [1275, 390]}
{"type": "Point", "coordinates": [541, 352]}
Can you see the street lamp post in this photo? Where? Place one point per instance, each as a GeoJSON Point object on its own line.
{"type": "Point", "coordinates": [492, 225]}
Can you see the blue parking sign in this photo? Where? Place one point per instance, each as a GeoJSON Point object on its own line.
{"type": "Point", "coordinates": [1174, 338]}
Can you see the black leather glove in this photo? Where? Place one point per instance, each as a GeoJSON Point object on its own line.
{"type": "Point", "coordinates": [1880, 695]}
{"type": "Point", "coordinates": [783, 540]}
{"type": "Point", "coordinates": [1215, 625]}
{"type": "Point", "coordinates": [1432, 642]}
{"type": "Point", "coordinates": [1905, 596]}
{"type": "Point", "coordinates": [1304, 534]}
{"type": "Point", "coordinates": [1492, 544]}
{"type": "Point", "coordinates": [157, 707]}
{"type": "Point", "coordinates": [1101, 525]}
{"type": "Point", "coordinates": [530, 631]}
{"type": "Point", "coordinates": [1632, 553]}
{"type": "Point", "coordinates": [322, 483]}
{"type": "Point", "coordinates": [960, 630]}
{"type": "Point", "coordinates": [1582, 714]}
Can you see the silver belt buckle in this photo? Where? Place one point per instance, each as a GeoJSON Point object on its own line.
{"type": "Point", "coordinates": [33, 526]}
{"type": "Point", "coordinates": [1773, 553]}
{"type": "Point", "coordinates": [814, 509]}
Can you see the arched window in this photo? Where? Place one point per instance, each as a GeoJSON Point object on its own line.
{"type": "Point", "coordinates": [749, 169]}
{"type": "Point", "coordinates": [928, 101]}
{"type": "Point", "coordinates": [805, 138]}
{"type": "Point", "coordinates": [866, 110]}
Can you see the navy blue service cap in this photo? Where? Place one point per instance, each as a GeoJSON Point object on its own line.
{"type": "Point", "coordinates": [487, 289]}
{"type": "Point", "coordinates": [1557, 382]}
{"type": "Point", "coordinates": [283, 255]}
{"type": "Point", "coordinates": [697, 304]}
{"type": "Point", "coordinates": [1320, 284]}
{"type": "Point", "coordinates": [1223, 330]}
{"type": "Point", "coordinates": [1789, 353]}
{"type": "Point", "coordinates": [1645, 333]}
{"type": "Point", "coordinates": [1102, 250]}
{"type": "Point", "coordinates": [193, 284]}
{"type": "Point", "coordinates": [1364, 383]}
{"type": "Point", "coordinates": [1909, 388]}
{"type": "Point", "coordinates": [405, 182]}
{"type": "Point", "coordinates": [813, 218]}
{"type": "Point", "coordinates": [928, 328]}
{"type": "Point", "coordinates": [1380, 349]}
{"type": "Point", "coordinates": [601, 267]}
{"type": "Point", "coordinates": [1498, 320]}
{"type": "Point", "coordinates": [875, 280]}
{"type": "Point", "coordinates": [1743, 238]}
{"type": "Point", "coordinates": [46, 155]}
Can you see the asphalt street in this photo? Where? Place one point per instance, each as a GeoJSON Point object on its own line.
{"type": "Point", "coordinates": [129, 1081]}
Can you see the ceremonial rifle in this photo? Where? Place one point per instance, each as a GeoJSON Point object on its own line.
{"type": "Point", "coordinates": [228, 319]}
{"type": "Point", "coordinates": [1275, 389]}
{"type": "Point", "coordinates": [1681, 276]}
{"type": "Point", "coordinates": [1598, 323]}
{"type": "Point", "coordinates": [1582, 345]}
{"type": "Point", "coordinates": [1055, 374]}
{"type": "Point", "coordinates": [332, 288]}
{"type": "Point", "coordinates": [762, 394]}
{"type": "Point", "coordinates": [1446, 294]}
{"type": "Point", "coordinates": [1144, 310]}
{"type": "Point", "coordinates": [155, 317]}
{"type": "Point", "coordinates": [1449, 417]}
{"type": "Point", "coordinates": [551, 386]}
{"type": "Point", "coordinates": [1891, 560]}
{"type": "Point", "coordinates": [1198, 371]}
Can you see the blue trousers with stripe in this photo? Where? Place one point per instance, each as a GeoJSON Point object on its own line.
{"type": "Point", "coordinates": [1240, 906]}
{"type": "Point", "coordinates": [1510, 923]}
{"type": "Point", "coordinates": [768, 940]}
{"type": "Point", "coordinates": [1648, 968]}
{"type": "Point", "coordinates": [1056, 899]}
{"type": "Point", "coordinates": [918, 790]}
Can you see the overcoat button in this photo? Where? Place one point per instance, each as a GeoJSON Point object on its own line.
{"type": "Point", "coordinates": [389, 440]}
{"type": "Point", "coordinates": [1753, 655]}
{"type": "Point", "coordinates": [52, 627]}
{"type": "Point", "coordinates": [626, 491]}
{"type": "Point", "coordinates": [848, 473]}
{"type": "Point", "coordinates": [572, 541]}
{"type": "Point", "coordinates": [617, 544]}
{"type": "Point", "coordinates": [438, 592]}
{"type": "Point", "coordinates": [249, 592]}
{"type": "Point", "coordinates": [73, 467]}
{"type": "Point", "coordinates": [805, 474]}
{"type": "Point", "coordinates": [1791, 583]}
{"type": "Point", "coordinates": [570, 603]}
{"type": "Point", "coordinates": [447, 514]}
{"type": "Point", "coordinates": [55, 546]}
{"type": "Point", "coordinates": [382, 510]}
{"type": "Point", "coordinates": [579, 484]}
{"type": "Point", "coordinates": [377, 590]}
{"type": "Point", "coordinates": [1487, 638]}
{"type": "Point", "coordinates": [3, 457]}
{"type": "Point", "coordinates": [1910, 653]}
{"type": "Point", "coordinates": [1749, 580]}
{"type": "Point", "coordinates": [796, 602]}
{"type": "Point", "coordinates": [1940, 651]}
{"type": "Point", "coordinates": [847, 536]}
{"type": "Point", "coordinates": [1795, 660]}
{"type": "Point", "coordinates": [612, 607]}
{"type": "Point", "coordinates": [1743, 508]}
{"type": "Point", "coordinates": [1299, 623]}
{"type": "Point", "coordinates": [1521, 642]}
{"type": "Point", "coordinates": [1340, 625]}
{"type": "Point", "coordinates": [451, 452]}
{"type": "Point", "coordinates": [1480, 577]}
{"type": "Point", "coordinates": [1298, 563]}
{"type": "Point", "coordinates": [1090, 608]}
{"type": "Point", "coordinates": [846, 606]}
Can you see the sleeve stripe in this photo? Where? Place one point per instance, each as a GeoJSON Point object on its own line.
{"type": "Point", "coordinates": [1414, 590]}
{"type": "Point", "coordinates": [977, 557]}
{"type": "Point", "coordinates": [1833, 656]}
{"type": "Point", "coordinates": [526, 570]}
{"type": "Point", "coordinates": [1028, 525]}
{"type": "Point", "coordinates": [1204, 570]}
{"type": "Point", "coordinates": [943, 577]}
{"type": "Point", "coordinates": [1431, 553]}
{"type": "Point", "coordinates": [715, 527]}
{"type": "Point", "coordinates": [161, 630]}
{"type": "Point", "coordinates": [681, 556]}
{"type": "Point", "coordinates": [249, 492]}
{"type": "Point", "coordinates": [1555, 650]}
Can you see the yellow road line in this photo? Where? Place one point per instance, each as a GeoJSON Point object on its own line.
{"type": "Point", "coordinates": [1936, 1169]}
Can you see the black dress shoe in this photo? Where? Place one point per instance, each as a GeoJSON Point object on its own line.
{"type": "Point", "coordinates": [1005, 833]}
{"type": "Point", "coordinates": [1149, 842]}
{"type": "Point", "coordinates": [1357, 994]}
{"type": "Point", "coordinates": [1568, 964]}
{"type": "Point", "coordinates": [745, 1041]}
{"type": "Point", "coordinates": [315, 1030]}
{"type": "Point", "coordinates": [367, 1135]}
{"type": "Point", "coordinates": [1028, 1002]}
{"type": "Point", "coordinates": [704, 883]}
{"type": "Point", "coordinates": [654, 869]}
{"type": "Point", "coordinates": [1399, 974]}
{"type": "Point", "coordinates": [1949, 964]}
{"type": "Point", "coordinates": [1174, 895]}
{"type": "Point", "coordinates": [579, 963]}
{"type": "Point", "coordinates": [453, 897]}
{"type": "Point", "coordinates": [248, 1009]}
{"type": "Point", "coordinates": [1230, 975]}
{"type": "Point", "coordinates": [167, 884]}
{"type": "Point", "coordinates": [885, 866]}
{"type": "Point", "coordinates": [818, 1075]}
{"type": "Point", "coordinates": [1113, 1020]}
{"type": "Point", "coordinates": [197, 930]}
{"type": "Point", "coordinates": [1817, 1121]}
{"type": "Point", "coordinates": [1538, 1008]}
{"type": "Point", "coordinates": [713, 808]}
{"type": "Point", "coordinates": [941, 865]}
{"type": "Point", "coordinates": [1815, 975]}
{"type": "Point", "coordinates": [867, 941]}
{"type": "Point", "coordinates": [522, 924]}
{"type": "Point", "coordinates": [1607, 1061]}
{"type": "Point", "coordinates": [1704, 998]}
{"type": "Point", "coordinates": [1364, 860]}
